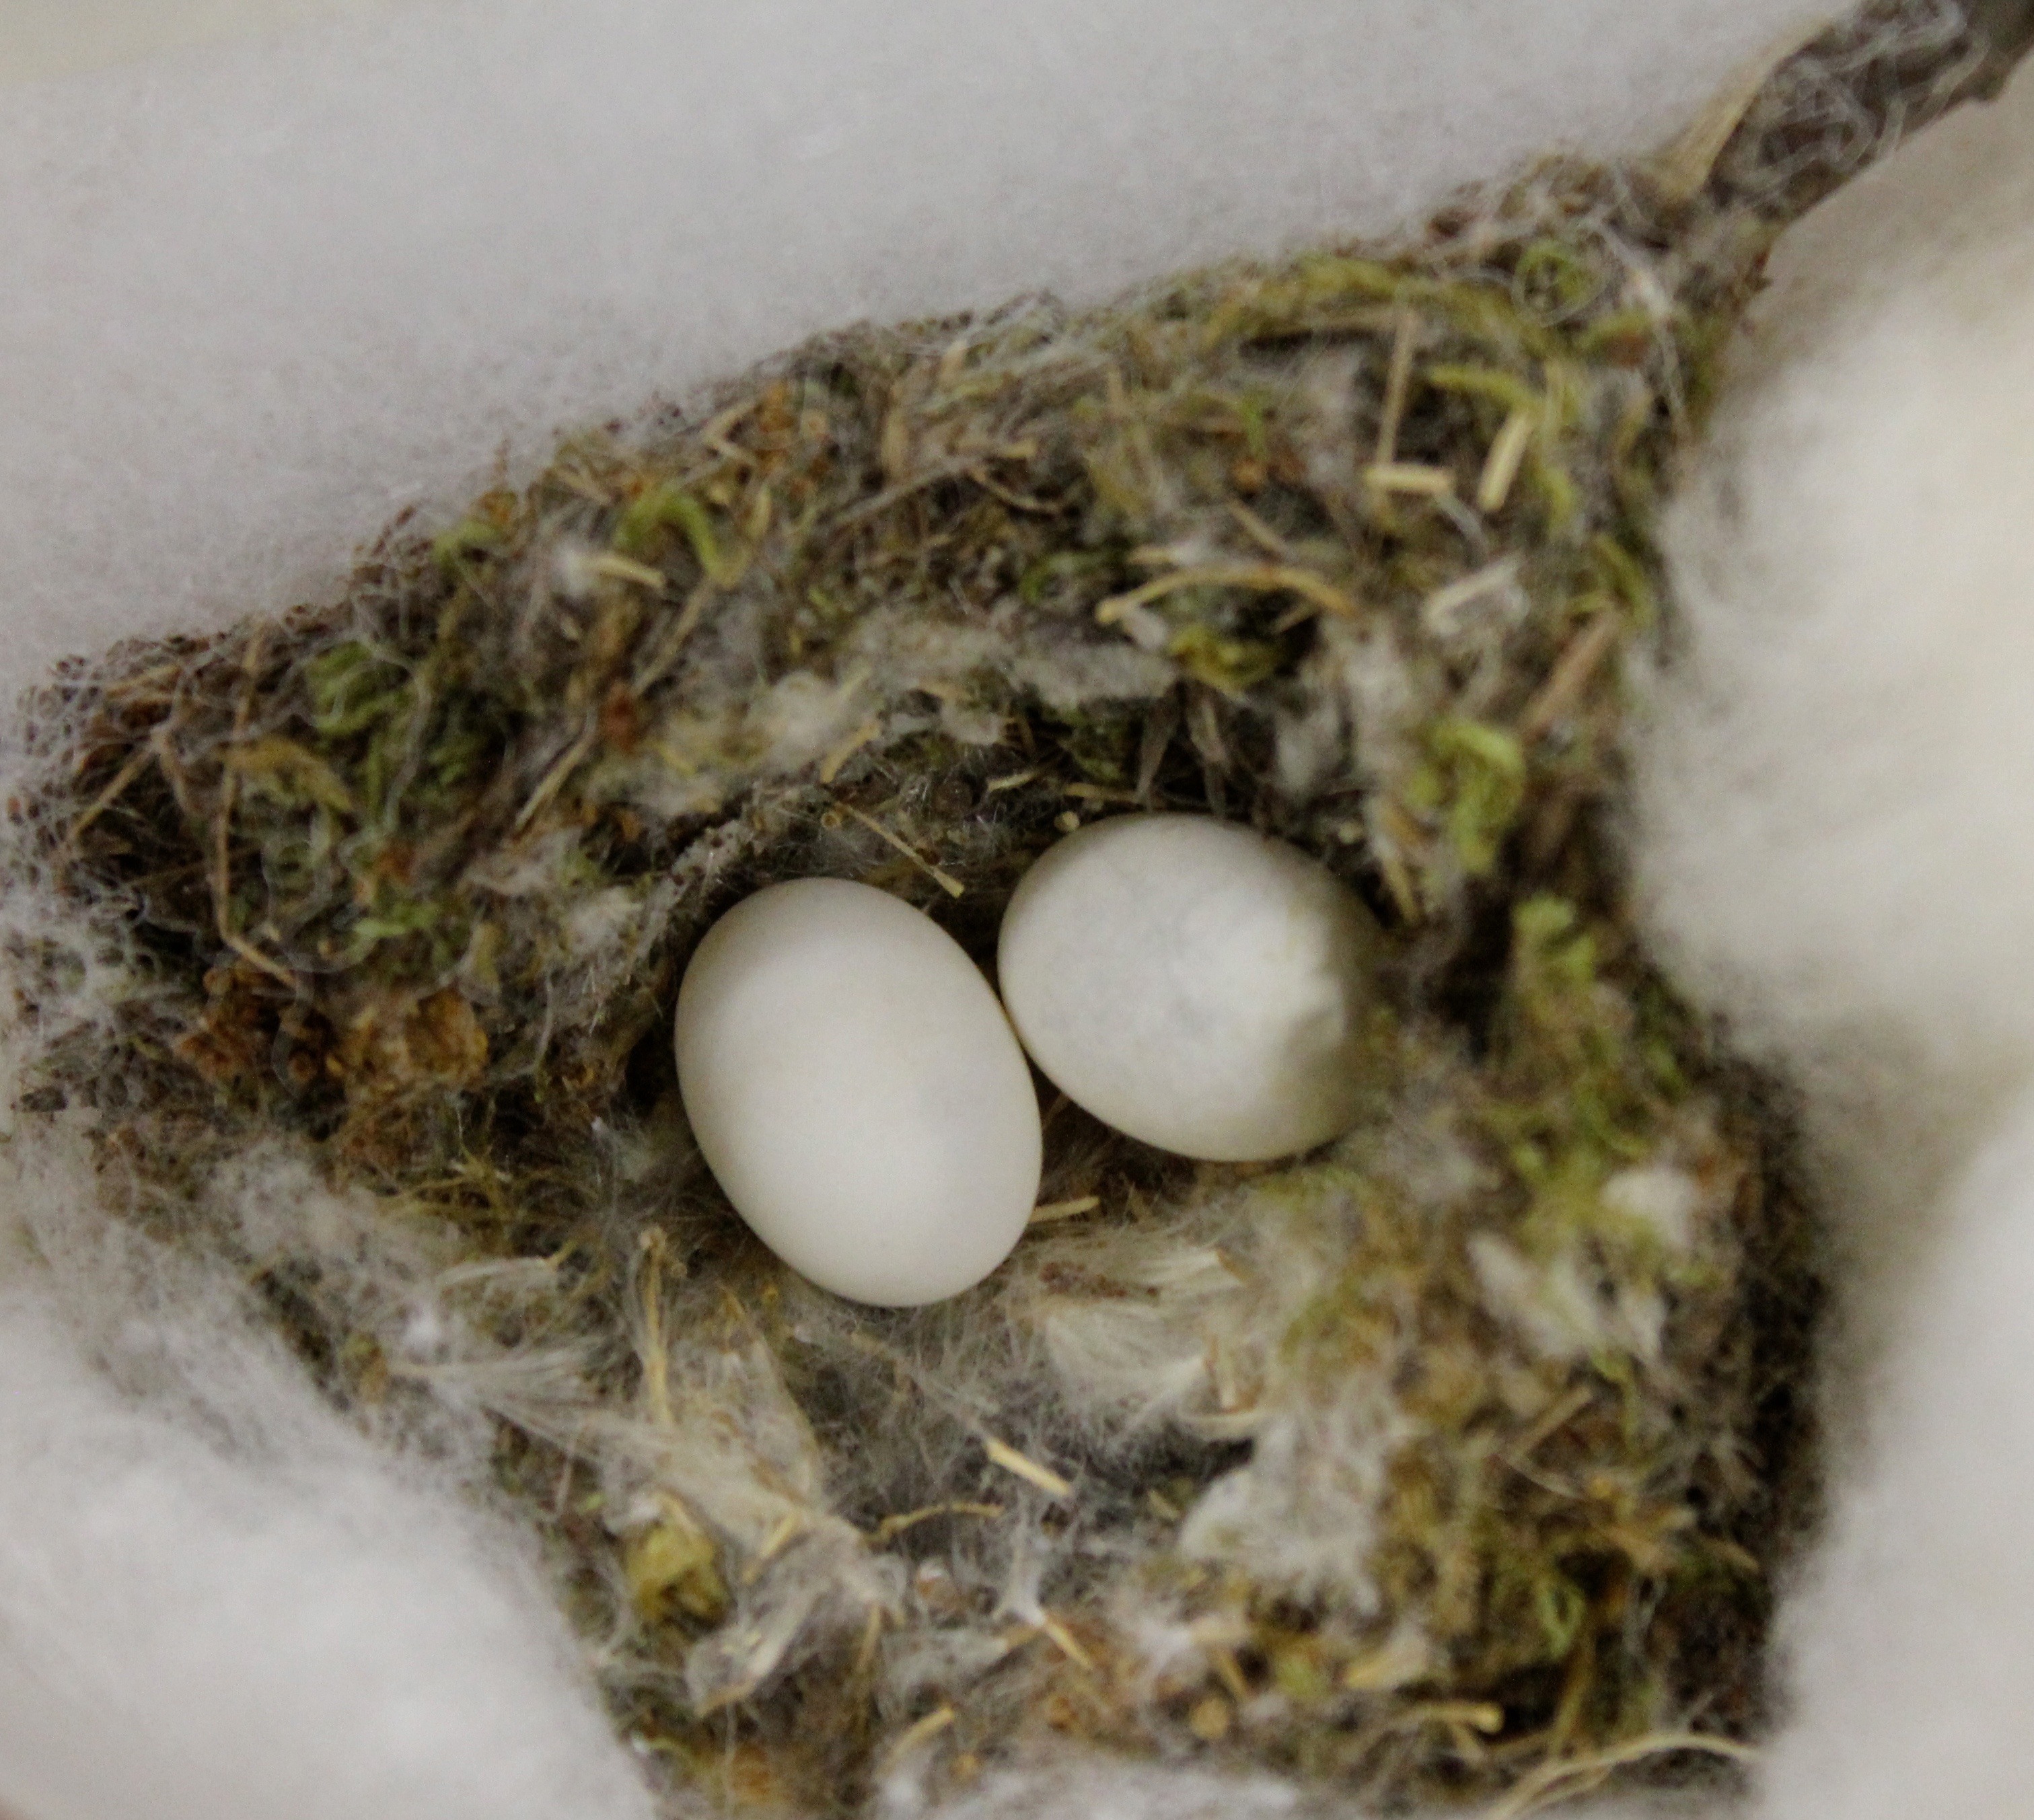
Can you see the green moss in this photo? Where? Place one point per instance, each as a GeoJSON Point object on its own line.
{"type": "Point", "coordinates": [1345, 546]}
{"type": "Point", "coordinates": [461, 820]}
{"type": "Point", "coordinates": [1475, 784]}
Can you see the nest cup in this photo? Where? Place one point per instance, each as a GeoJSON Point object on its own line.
{"type": "Point", "coordinates": [1457, 1458]}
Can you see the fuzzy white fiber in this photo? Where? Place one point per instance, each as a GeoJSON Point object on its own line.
{"type": "Point", "coordinates": [1835, 843]}
{"type": "Point", "coordinates": [1835, 785]}
{"type": "Point", "coordinates": [260, 296]}
{"type": "Point", "coordinates": [40, 38]}
{"type": "Point", "coordinates": [217, 1600]}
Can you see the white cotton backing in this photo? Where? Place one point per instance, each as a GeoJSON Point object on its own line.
{"type": "Point", "coordinates": [1912, 1650]}
{"type": "Point", "coordinates": [41, 38]}
{"type": "Point", "coordinates": [262, 295]}
{"type": "Point", "coordinates": [1834, 848]}
{"type": "Point", "coordinates": [218, 1601]}
{"type": "Point", "coordinates": [1834, 792]}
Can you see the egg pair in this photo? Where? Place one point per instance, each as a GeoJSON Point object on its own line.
{"type": "Point", "coordinates": [862, 1099]}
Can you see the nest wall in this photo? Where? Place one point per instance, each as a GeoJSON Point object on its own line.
{"type": "Point", "coordinates": [1457, 1459]}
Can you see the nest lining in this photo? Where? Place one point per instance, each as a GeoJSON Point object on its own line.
{"type": "Point", "coordinates": [1455, 1459]}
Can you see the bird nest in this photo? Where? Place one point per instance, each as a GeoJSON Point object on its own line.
{"type": "Point", "coordinates": [1455, 1459]}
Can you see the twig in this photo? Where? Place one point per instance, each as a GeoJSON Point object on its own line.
{"type": "Point", "coordinates": [890, 1528]}
{"type": "Point", "coordinates": [1003, 1454]}
{"type": "Point", "coordinates": [1397, 386]}
{"type": "Point", "coordinates": [1507, 457]}
{"type": "Point", "coordinates": [109, 796]}
{"type": "Point", "coordinates": [1255, 578]}
{"type": "Point", "coordinates": [916, 1737]}
{"type": "Point", "coordinates": [951, 886]}
{"type": "Point", "coordinates": [832, 765]}
{"type": "Point", "coordinates": [1410, 477]}
{"type": "Point", "coordinates": [1571, 675]}
{"type": "Point", "coordinates": [1067, 1644]}
{"type": "Point", "coordinates": [554, 779]}
{"type": "Point", "coordinates": [1548, 1783]}
{"type": "Point", "coordinates": [229, 790]}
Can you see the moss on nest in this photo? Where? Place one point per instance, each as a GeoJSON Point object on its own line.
{"type": "Point", "coordinates": [1455, 1460]}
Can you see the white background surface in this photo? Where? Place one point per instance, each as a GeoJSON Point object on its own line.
{"type": "Point", "coordinates": [43, 38]}
{"type": "Point", "coordinates": [259, 299]}
{"type": "Point", "coordinates": [261, 294]}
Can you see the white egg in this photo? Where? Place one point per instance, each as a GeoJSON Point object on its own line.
{"type": "Point", "coordinates": [1193, 984]}
{"type": "Point", "coordinates": [858, 1092]}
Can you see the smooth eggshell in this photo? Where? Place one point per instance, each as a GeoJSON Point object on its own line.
{"type": "Point", "coordinates": [858, 1092]}
{"type": "Point", "coordinates": [1193, 984]}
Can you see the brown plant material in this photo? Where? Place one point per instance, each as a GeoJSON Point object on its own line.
{"type": "Point", "coordinates": [1455, 1459]}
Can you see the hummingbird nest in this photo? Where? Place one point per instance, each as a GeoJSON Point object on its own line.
{"type": "Point", "coordinates": [1456, 1460]}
